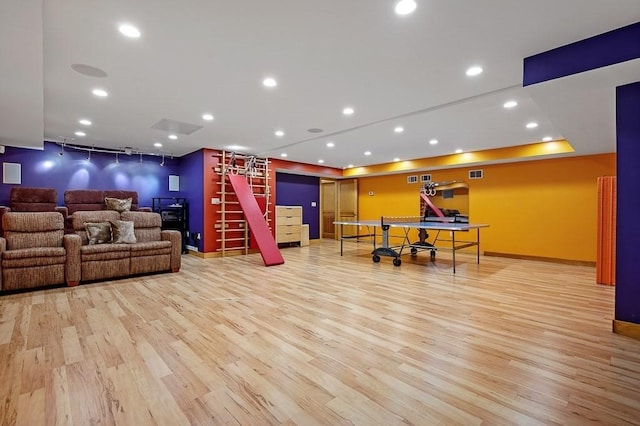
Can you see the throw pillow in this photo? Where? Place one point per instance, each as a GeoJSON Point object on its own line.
{"type": "Point", "coordinates": [98, 232]}
{"type": "Point", "coordinates": [123, 232]}
{"type": "Point", "coordinates": [117, 204]}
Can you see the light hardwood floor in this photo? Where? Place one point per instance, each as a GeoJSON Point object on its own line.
{"type": "Point", "coordinates": [322, 339]}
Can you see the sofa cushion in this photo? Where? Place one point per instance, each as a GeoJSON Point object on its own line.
{"type": "Point", "coordinates": [25, 230]}
{"type": "Point", "coordinates": [98, 232]}
{"type": "Point", "coordinates": [146, 225]}
{"type": "Point", "coordinates": [35, 256]}
{"type": "Point", "coordinates": [151, 248]}
{"type": "Point", "coordinates": [104, 252]}
{"type": "Point", "coordinates": [78, 219]}
{"type": "Point", "coordinates": [122, 231]}
{"type": "Point", "coordinates": [118, 204]}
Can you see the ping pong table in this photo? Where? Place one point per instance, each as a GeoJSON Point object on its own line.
{"type": "Point", "coordinates": [447, 225]}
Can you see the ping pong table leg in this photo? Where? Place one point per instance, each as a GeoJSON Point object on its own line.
{"type": "Point", "coordinates": [341, 237]}
{"type": "Point", "coordinates": [478, 243]}
{"type": "Point", "coordinates": [453, 243]}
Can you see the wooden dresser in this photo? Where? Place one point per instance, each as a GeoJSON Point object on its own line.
{"type": "Point", "coordinates": [288, 224]}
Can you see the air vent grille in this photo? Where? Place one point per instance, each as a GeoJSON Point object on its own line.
{"type": "Point", "coordinates": [425, 178]}
{"type": "Point", "coordinates": [412, 179]}
{"type": "Point", "coordinates": [174, 126]}
{"type": "Point", "coordinates": [475, 174]}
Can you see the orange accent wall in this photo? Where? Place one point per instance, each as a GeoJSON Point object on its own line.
{"type": "Point", "coordinates": [544, 208]}
{"type": "Point", "coordinates": [606, 247]}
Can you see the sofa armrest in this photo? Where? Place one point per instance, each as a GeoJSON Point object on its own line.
{"type": "Point", "coordinates": [3, 210]}
{"type": "Point", "coordinates": [3, 248]}
{"type": "Point", "coordinates": [176, 247]}
{"type": "Point", "coordinates": [63, 210]}
{"type": "Point", "coordinates": [72, 267]}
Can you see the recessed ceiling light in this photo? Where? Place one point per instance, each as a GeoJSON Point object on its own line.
{"type": "Point", "coordinates": [100, 92]}
{"type": "Point", "coordinates": [279, 133]}
{"type": "Point", "coordinates": [321, 161]}
{"type": "Point", "coordinates": [173, 137]}
{"type": "Point", "coordinates": [458, 151]}
{"type": "Point", "coordinates": [405, 7]}
{"type": "Point", "coordinates": [157, 144]}
{"type": "Point", "coordinates": [269, 82]}
{"type": "Point", "coordinates": [396, 159]}
{"type": "Point", "coordinates": [532, 125]}
{"type": "Point", "coordinates": [367, 153]}
{"type": "Point", "coordinates": [547, 139]}
{"type": "Point", "coordinates": [80, 133]}
{"type": "Point", "coordinates": [207, 117]}
{"type": "Point", "coordinates": [348, 111]}
{"type": "Point", "coordinates": [510, 104]}
{"type": "Point", "coordinates": [330, 144]}
{"type": "Point", "coordinates": [474, 71]}
{"type": "Point", "coordinates": [85, 122]}
{"type": "Point", "coordinates": [236, 148]}
{"type": "Point", "coordinates": [284, 154]}
{"type": "Point", "coordinates": [399, 129]}
{"type": "Point", "coordinates": [129, 30]}
{"type": "Point", "coordinates": [433, 142]}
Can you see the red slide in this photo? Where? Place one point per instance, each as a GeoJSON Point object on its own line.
{"type": "Point", "coordinates": [268, 248]}
{"type": "Point", "coordinates": [433, 207]}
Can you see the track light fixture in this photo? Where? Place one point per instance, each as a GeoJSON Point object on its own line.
{"type": "Point", "coordinates": [64, 145]}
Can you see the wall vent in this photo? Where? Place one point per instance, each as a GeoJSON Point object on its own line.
{"type": "Point", "coordinates": [425, 178]}
{"type": "Point", "coordinates": [412, 179]}
{"type": "Point", "coordinates": [475, 174]}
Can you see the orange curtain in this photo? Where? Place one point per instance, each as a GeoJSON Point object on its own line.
{"type": "Point", "coordinates": [606, 253]}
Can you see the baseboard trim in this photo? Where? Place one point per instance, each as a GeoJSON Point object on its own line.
{"type": "Point", "coordinates": [216, 254]}
{"type": "Point", "coordinates": [628, 329]}
{"type": "Point", "coordinates": [541, 259]}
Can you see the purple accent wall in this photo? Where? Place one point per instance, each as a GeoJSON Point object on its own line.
{"type": "Point", "coordinates": [298, 190]}
{"type": "Point", "coordinates": [627, 307]}
{"type": "Point", "coordinates": [613, 47]}
{"type": "Point", "coordinates": [192, 186]}
{"type": "Point", "coordinates": [48, 169]}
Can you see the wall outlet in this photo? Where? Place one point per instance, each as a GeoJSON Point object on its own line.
{"type": "Point", "coordinates": [215, 201]}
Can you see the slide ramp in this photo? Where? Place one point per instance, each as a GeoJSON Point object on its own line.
{"type": "Point", "coordinates": [259, 229]}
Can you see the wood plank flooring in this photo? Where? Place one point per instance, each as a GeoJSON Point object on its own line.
{"type": "Point", "coordinates": [322, 340]}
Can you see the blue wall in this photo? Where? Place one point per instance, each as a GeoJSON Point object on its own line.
{"type": "Point", "coordinates": [628, 172]}
{"type": "Point", "coordinates": [48, 169]}
{"type": "Point", "coordinates": [191, 185]}
{"type": "Point", "coordinates": [297, 190]}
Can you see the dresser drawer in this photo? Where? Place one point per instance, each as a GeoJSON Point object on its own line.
{"type": "Point", "coordinates": [287, 220]}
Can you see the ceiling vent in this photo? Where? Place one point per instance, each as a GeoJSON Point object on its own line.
{"type": "Point", "coordinates": [178, 127]}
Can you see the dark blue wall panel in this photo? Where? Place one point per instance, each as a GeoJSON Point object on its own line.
{"type": "Point", "coordinates": [192, 186]}
{"type": "Point", "coordinates": [628, 196]}
{"type": "Point", "coordinates": [613, 47]}
{"type": "Point", "coordinates": [297, 190]}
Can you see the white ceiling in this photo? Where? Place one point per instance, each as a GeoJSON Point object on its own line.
{"type": "Point", "coordinates": [197, 56]}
